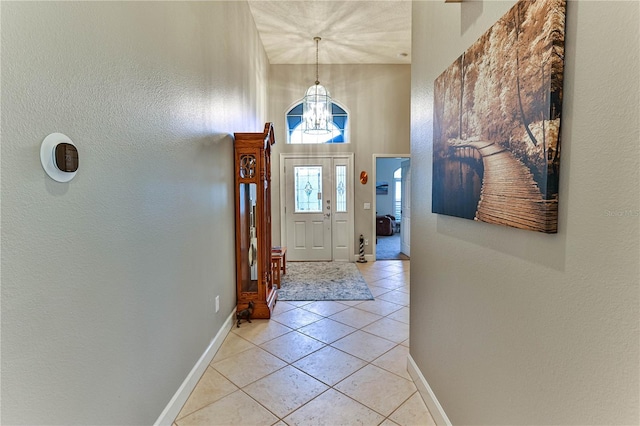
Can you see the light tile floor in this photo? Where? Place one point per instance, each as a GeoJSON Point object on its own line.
{"type": "Point", "coordinates": [317, 363]}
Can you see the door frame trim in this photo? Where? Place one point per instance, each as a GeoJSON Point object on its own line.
{"type": "Point", "coordinates": [373, 195]}
{"type": "Point", "coordinates": [350, 196]}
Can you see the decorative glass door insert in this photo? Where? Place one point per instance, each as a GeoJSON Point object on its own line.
{"type": "Point", "coordinates": [341, 189]}
{"type": "Point", "coordinates": [308, 189]}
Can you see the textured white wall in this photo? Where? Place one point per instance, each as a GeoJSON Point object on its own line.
{"type": "Point", "coordinates": [108, 281]}
{"type": "Point", "coordinates": [516, 327]}
{"type": "Point", "coordinates": [378, 99]}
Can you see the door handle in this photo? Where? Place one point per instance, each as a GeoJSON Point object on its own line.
{"type": "Point", "coordinates": [327, 215]}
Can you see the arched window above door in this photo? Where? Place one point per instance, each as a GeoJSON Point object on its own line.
{"type": "Point", "coordinates": [339, 127]}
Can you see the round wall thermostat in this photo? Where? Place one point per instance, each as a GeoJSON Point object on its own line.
{"type": "Point", "coordinates": [59, 157]}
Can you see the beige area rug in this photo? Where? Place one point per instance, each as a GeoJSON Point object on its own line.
{"type": "Point", "coordinates": [323, 281]}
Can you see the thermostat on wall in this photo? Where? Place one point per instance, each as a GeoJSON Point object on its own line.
{"type": "Point", "coordinates": [59, 157]}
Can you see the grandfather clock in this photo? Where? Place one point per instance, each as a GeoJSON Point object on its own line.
{"type": "Point", "coordinates": [254, 280]}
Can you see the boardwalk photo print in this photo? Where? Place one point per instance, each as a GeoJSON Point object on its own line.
{"type": "Point", "coordinates": [497, 109]}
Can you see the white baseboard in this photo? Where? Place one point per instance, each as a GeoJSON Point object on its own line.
{"type": "Point", "coordinates": [429, 398]}
{"type": "Point", "coordinates": [172, 409]}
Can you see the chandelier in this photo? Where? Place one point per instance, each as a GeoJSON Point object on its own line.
{"type": "Point", "coordinates": [316, 107]}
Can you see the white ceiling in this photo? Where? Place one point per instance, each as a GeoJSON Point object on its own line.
{"type": "Point", "coordinates": [352, 31]}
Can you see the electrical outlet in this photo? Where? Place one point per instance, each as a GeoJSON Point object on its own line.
{"type": "Point", "coordinates": [217, 303]}
{"type": "Point", "coordinates": [366, 241]}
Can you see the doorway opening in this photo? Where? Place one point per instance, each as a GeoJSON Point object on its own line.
{"type": "Point", "coordinates": [316, 195]}
{"type": "Point", "coordinates": [392, 207]}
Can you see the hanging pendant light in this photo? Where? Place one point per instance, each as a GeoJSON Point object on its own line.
{"type": "Point", "coordinates": [316, 107]}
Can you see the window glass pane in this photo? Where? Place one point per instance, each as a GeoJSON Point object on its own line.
{"type": "Point", "coordinates": [335, 109]}
{"type": "Point", "coordinates": [308, 189]}
{"type": "Point", "coordinates": [296, 110]}
{"type": "Point", "coordinates": [397, 203]}
{"type": "Point", "coordinates": [298, 136]}
{"type": "Point", "coordinates": [337, 139]}
{"type": "Point", "coordinates": [341, 189]}
{"type": "Point", "coordinates": [294, 121]}
{"type": "Point", "coordinates": [340, 121]}
{"type": "Point", "coordinates": [338, 127]}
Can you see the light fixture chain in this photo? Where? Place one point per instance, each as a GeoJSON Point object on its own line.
{"type": "Point", "coordinates": [316, 107]}
{"type": "Point", "coordinates": [317, 60]}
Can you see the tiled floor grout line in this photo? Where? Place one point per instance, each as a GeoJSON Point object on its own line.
{"type": "Point", "coordinates": [398, 407]}
{"type": "Point", "coordinates": [372, 276]}
{"type": "Point", "coordinates": [367, 363]}
{"type": "Point", "coordinates": [329, 387]}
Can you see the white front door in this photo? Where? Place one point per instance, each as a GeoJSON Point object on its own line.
{"type": "Point", "coordinates": [308, 208]}
{"type": "Point", "coordinates": [318, 208]}
{"type": "Point", "coordinates": [405, 209]}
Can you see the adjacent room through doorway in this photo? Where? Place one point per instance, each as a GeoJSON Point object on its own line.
{"type": "Point", "coordinates": [392, 207]}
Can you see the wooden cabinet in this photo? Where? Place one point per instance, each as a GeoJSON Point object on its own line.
{"type": "Point", "coordinates": [254, 278]}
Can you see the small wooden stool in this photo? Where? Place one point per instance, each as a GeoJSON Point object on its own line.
{"type": "Point", "coordinates": [278, 263]}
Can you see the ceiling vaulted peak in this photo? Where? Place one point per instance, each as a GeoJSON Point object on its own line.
{"type": "Point", "coordinates": [352, 31]}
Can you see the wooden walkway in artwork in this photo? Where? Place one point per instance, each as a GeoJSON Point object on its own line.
{"type": "Point", "coordinates": [509, 194]}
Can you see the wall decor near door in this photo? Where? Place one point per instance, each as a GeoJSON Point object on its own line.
{"type": "Point", "coordinates": [497, 110]}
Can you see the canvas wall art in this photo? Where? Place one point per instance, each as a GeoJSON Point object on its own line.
{"type": "Point", "coordinates": [497, 111]}
{"type": "Point", "coordinates": [382, 188]}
